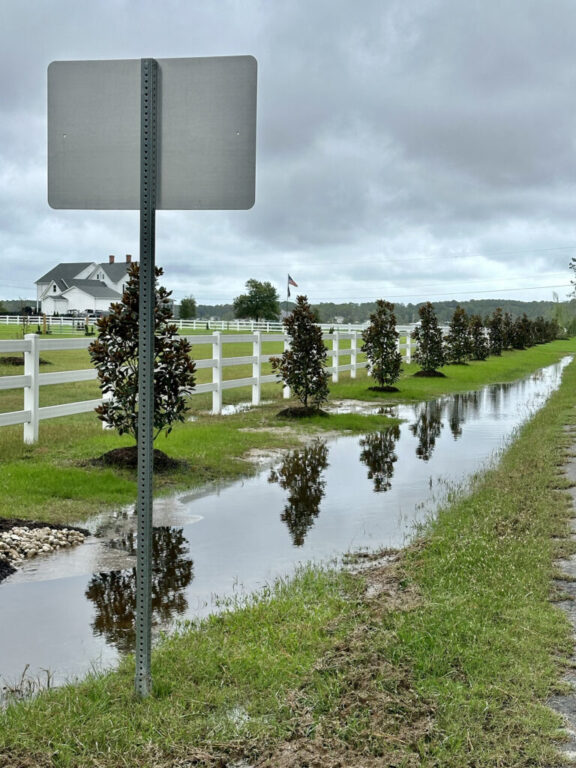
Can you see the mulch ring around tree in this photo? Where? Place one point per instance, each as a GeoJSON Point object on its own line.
{"type": "Point", "coordinates": [300, 412]}
{"type": "Point", "coordinates": [7, 523]}
{"type": "Point", "coordinates": [430, 374]}
{"type": "Point", "coordinates": [127, 458]}
{"type": "Point", "coordinates": [385, 388]}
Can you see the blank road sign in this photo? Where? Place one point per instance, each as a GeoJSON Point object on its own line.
{"type": "Point", "coordinates": [206, 133]}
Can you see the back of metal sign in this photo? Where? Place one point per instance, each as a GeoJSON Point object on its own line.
{"type": "Point", "coordinates": [207, 133]}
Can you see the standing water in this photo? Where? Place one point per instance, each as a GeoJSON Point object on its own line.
{"type": "Point", "coordinates": [73, 611]}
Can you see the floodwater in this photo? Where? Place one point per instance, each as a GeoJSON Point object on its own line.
{"type": "Point", "coordinates": [73, 611]}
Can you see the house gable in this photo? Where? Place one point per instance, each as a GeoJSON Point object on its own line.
{"type": "Point", "coordinates": [114, 275]}
{"type": "Point", "coordinates": [83, 285]}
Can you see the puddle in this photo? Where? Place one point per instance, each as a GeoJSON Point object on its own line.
{"type": "Point", "coordinates": [74, 610]}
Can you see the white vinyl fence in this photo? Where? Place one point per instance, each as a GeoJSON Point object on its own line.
{"type": "Point", "coordinates": [75, 325]}
{"type": "Point", "coordinates": [31, 380]}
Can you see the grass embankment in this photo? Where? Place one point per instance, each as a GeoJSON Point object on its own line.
{"type": "Point", "coordinates": [54, 480]}
{"type": "Point", "coordinates": [446, 661]}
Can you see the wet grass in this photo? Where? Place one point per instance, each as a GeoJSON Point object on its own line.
{"type": "Point", "coordinates": [510, 366]}
{"type": "Point", "coordinates": [54, 480]}
{"type": "Point", "coordinates": [448, 661]}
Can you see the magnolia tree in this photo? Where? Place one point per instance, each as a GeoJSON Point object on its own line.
{"type": "Point", "coordinates": [302, 367]}
{"type": "Point", "coordinates": [457, 341]}
{"type": "Point", "coordinates": [495, 325]}
{"type": "Point", "coordinates": [114, 353]}
{"type": "Point", "coordinates": [522, 332]}
{"type": "Point", "coordinates": [430, 353]}
{"type": "Point", "coordinates": [381, 346]}
{"type": "Point", "coordinates": [479, 344]}
{"type": "Point", "coordinates": [507, 330]}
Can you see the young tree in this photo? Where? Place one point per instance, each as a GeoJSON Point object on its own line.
{"type": "Point", "coordinates": [507, 330]}
{"type": "Point", "coordinates": [381, 346]}
{"type": "Point", "coordinates": [428, 336]}
{"type": "Point", "coordinates": [479, 344]}
{"type": "Point", "coordinates": [303, 366]}
{"type": "Point", "coordinates": [457, 341]}
{"type": "Point", "coordinates": [544, 330]}
{"type": "Point", "coordinates": [114, 353]}
{"type": "Point", "coordinates": [522, 332]}
{"type": "Point", "coordinates": [495, 325]}
{"type": "Point", "coordinates": [188, 308]}
{"type": "Point", "coordinates": [260, 303]}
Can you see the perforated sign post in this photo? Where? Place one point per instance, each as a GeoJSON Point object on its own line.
{"type": "Point", "coordinates": [151, 134]}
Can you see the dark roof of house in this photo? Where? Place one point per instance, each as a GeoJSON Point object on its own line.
{"type": "Point", "coordinates": [115, 271]}
{"type": "Point", "coordinates": [64, 273]}
{"type": "Point", "coordinates": [95, 288]}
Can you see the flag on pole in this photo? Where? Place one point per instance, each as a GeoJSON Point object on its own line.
{"type": "Point", "coordinates": [291, 282]}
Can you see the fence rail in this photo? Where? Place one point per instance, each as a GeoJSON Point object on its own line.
{"type": "Point", "coordinates": [31, 381]}
{"type": "Point", "coordinates": [64, 325]}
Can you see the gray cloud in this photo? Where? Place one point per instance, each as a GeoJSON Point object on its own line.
{"type": "Point", "coordinates": [401, 145]}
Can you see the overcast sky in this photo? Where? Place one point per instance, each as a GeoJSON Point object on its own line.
{"type": "Point", "coordinates": [407, 149]}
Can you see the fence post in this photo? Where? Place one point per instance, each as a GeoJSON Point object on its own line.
{"type": "Point", "coordinates": [217, 372]}
{"type": "Point", "coordinates": [286, 390]}
{"type": "Point", "coordinates": [257, 368]}
{"type": "Point", "coordinates": [32, 393]}
{"type": "Point", "coordinates": [408, 347]}
{"type": "Point", "coordinates": [335, 355]}
{"type": "Point", "coordinates": [107, 397]}
{"type": "Point", "coordinates": [354, 355]}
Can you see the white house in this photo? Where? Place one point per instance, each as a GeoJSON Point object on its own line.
{"type": "Point", "coordinates": [82, 287]}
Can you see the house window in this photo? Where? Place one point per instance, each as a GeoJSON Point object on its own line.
{"type": "Point", "coordinates": [53, 289]}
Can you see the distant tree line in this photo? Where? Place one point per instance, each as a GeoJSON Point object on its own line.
{"type": "Point", "coordinates": [261, 300]}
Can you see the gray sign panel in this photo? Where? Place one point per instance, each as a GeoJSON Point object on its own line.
{"type": "Point", "coordinates": [207, 133]}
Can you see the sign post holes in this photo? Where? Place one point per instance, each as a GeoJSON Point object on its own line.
{"type": "Point", "coordinates": [145, 469]}
{"type": "Point", "coordinates": [106, 151]}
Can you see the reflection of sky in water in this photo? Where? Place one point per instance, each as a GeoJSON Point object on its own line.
{"type": "Point", "coordinates": [66, 611]}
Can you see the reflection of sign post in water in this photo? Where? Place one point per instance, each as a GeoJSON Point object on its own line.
{"type": "Point", "coordinates": [151, 134]}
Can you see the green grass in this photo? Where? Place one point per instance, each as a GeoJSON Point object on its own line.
{"type": "Point", "coordinates": [449, 664]}
{"type": "Point", "coordinates": [66, 487]}
{"type": "Point", "coordinates": [459, 378]}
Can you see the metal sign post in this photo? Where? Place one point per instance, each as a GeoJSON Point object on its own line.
{"type": "Point", "coordinates": [106, 151]}
{"type": "Point", "coordinates": [148, 185]}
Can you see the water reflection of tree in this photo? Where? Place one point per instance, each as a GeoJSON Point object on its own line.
{"type": "Point", "coordinates": [114, 593]}
{"type": "Point", "coordinates": [463, 406]}
{"type": "Point", "coordinates": [378, 455]}
{"type": "Point", "coordinates": [301, 475]}
{"type": "Point", "coordinates": [427, 428]}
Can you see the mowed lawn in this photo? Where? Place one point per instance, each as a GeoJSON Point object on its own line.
{"type": "Point", "coordinates": [56, 478]}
